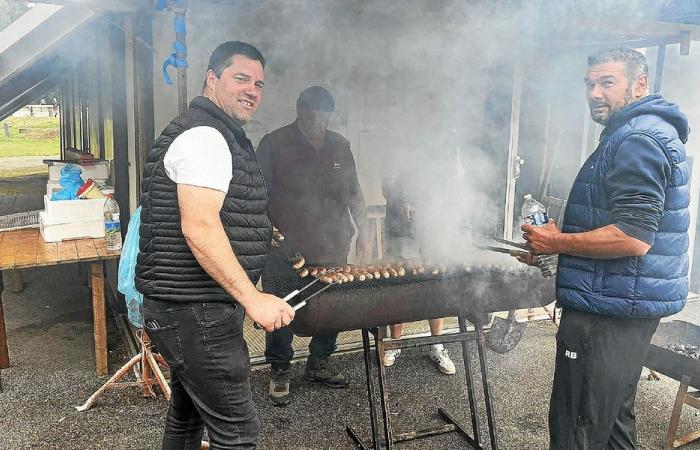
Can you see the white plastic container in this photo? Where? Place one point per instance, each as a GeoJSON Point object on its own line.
{"type": "Point", "coordinates": [64, 229]}
{"type": "Point", "coordinates": [73, 209]}
{"type": "Point", "coordinates": [97, 171]}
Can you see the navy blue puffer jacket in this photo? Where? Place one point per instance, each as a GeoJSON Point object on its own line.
{"type": "Point", "coordinates": [638, 180]}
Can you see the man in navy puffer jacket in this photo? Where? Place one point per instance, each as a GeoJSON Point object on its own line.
{"type": "Point", "coordinates": [623, 254]}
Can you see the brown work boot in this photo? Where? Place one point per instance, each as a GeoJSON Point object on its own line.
{"type": "Point", "coordinates": [279, 387]}
{"type": "Point", "coordinates": [320, 370]}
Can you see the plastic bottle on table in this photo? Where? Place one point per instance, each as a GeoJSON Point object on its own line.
{"type": "Point", "coordinates": [534, 213]}
{"type": "Point", "coordinates": [113, 234]}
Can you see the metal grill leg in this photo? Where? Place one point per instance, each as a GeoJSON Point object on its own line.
{"type": "Point", "coordinates": [476, 427]}
{"type": "Point", "coordinates": [383, 391]}
{"type": "Point", "coordinates": [485, 381]}
{"type": "Point", "coordinates": [376, 444]}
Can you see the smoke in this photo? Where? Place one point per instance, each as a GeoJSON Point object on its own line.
{"type": "Point", "coordinates": [424, 91]}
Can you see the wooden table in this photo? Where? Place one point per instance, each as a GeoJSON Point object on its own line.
{"type": "Point", "coordinates": [23, 249]}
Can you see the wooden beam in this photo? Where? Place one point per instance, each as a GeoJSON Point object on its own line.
{"type": "Point", "coordinates": [99, 318]}
{"type": "Point", "coordinates": [181, 71]}
{"type": "Point", "coordinates": [120, 127]}
{"type": "Point", "coordinates": [144, 127]}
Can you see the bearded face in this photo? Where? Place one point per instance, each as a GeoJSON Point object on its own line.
{"type": "Point", "coordinates": [608, 90]}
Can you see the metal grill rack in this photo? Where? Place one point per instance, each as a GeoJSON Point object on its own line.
{"type": "Point", "coordinates": [29, 219]}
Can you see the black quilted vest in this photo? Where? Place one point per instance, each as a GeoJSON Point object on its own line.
{"type": "Point", "coordinates": [166, 269]}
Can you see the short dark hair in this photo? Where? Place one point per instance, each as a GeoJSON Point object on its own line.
{"type": "Point", "coordinates": [221, 57]}
{"type": "Point", "coordinates": [316, 98]}
{"type": "Point", "coordinates": [634, 61]}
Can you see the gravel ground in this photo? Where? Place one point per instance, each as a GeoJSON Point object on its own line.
{"type": "Point", "coordinates": [50, 346]}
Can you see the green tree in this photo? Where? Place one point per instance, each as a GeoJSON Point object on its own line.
{"type": "Point", "coordinates": [11, 10]}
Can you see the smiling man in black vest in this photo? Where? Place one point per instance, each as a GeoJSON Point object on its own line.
{"type": "Point", "coordinates": [205, 237]}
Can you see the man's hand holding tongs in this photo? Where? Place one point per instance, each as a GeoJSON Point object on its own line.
{"type": "Point", "coordinates": [269, 312]}
{"type": "Point", "coordinates": [294, 293]}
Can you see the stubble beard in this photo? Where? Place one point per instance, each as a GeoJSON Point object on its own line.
{"type": "Point", "coordinates": [240, 116]}
{"type": "Point", "coordinates": [605, 118]}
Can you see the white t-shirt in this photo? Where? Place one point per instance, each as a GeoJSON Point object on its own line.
{"type": "Point", "coordinates": [200, 157]}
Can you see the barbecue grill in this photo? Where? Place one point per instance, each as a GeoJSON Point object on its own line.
{"type": "Point", "coordinates": [662, 358]}
{"type": "Point", "coordinates": [461, 292]}
{"type": "Point", "coordinates": [466, 291]}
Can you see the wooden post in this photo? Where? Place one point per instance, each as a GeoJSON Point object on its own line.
{"type": "Point", "coordinates": [99, 317]}
{"type": "Point", "coordinates": [4, 355]}
{"type": "Point", "coordinates": [14, 280]}
{"type": "Point", "coordinates": [676, 414]}
{"type": "Point", "coordinates": [181, 71]}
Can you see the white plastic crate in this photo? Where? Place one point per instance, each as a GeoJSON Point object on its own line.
{"type": "Point", "coordinates": [64, 229]}
{"type": "Point", "coordinates": [73, 209]}
{"type": "Point", "coordinates": [98, 171]}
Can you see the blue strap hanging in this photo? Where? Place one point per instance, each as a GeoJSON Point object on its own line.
{"type": "Point", "coordinates": [179, 46]}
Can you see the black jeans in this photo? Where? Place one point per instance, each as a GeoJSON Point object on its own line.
{"type": "Point", "coordinates": [210, 367]}
{"type": "Point", "coordinates": [598, 364]}
{"type": "Point", "coordinates": [279, 351]}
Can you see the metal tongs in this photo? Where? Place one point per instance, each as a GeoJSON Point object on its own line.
{"type": "Point", "coordinates": [519, 245]}
{"type": "Point", "coordinates": [296, 292]}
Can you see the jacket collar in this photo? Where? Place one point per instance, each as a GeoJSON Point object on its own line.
{"type": "Point", "coordinates": [203, 103]}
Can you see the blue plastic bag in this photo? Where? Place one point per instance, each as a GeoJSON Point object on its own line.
{"type": "Point", "coordinates": [127, 270]}
{"type": "Point", "coordinates": [70, 182]}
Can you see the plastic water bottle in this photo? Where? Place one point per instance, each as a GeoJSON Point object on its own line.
{"type": "Point", "coordinates": [113, 234]}
{"type": "Point", "coordinates": [535, 214]}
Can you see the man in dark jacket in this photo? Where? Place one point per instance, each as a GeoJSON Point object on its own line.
{"type": "Point", "coordinates": [314, 191]}
{"type": "Point", "coordinates": [205, 235]}
{"type": "Point", "coordinates": [623, 254]}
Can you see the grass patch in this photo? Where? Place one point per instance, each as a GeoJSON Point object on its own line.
{"type": "Point", "coordinates": [23, 171]}
{"type": "Point", "coordinates": [30, 136]}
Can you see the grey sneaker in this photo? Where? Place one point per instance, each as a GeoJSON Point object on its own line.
{"type": "Point", "coordinates": [279, 387]}
{"type": "Point", "coordinates": [322, 372]}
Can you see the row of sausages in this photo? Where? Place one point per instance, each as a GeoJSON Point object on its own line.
{"type": "Point", "coordinates": [348, 274]}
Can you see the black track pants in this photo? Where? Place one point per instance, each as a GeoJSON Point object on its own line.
{"type": "Point", "coordinates": [598, 364]}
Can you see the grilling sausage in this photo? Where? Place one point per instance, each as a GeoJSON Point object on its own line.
{"type": "Point", "coordinates": [298, 263]}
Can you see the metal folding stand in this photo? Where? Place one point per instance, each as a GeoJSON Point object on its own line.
{"type": "Point", "coordinates": [389, 439]}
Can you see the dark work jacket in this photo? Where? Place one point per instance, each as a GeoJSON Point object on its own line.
{"type": "Point", "coordinates": [166, 268]}
{"type": "Point", "coordinates": [311, 192]}
{"type": "Point", "coordinates": [638, 180]}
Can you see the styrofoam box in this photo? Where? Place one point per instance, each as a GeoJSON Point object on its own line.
{"type": "Point", "coordinates": [99, 170]}
{"type": "Point", "coordinates": [64, 229]}
{"type": "Point", "coordinates": [51, 185]}
{"type": "Point", "coordinates": [73, 209]}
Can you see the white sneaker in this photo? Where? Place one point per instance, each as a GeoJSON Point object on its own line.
{"type": "Point", "coordinates": [390, 357]}
{"type": "Point", "coordinates": [443, 361]}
